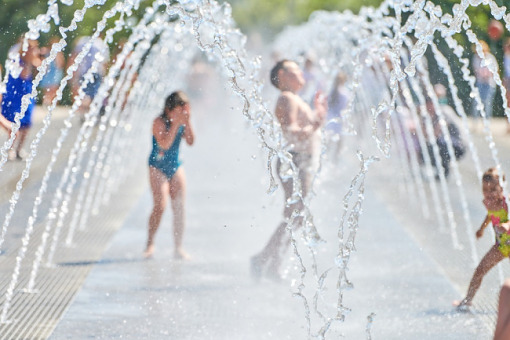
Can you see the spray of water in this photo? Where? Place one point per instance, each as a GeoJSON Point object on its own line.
{"type": "Point", "coordinates": [377, 44]}
{"type": "Point", "coordinates": [380, 44]}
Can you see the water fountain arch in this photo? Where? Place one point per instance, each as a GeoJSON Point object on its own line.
{"type": "Point", "coordinates": [373, 37]}
{"type": "Point", "coordinates": [377, 36]}
{"type": "Point", "coordinates": [155, 24]}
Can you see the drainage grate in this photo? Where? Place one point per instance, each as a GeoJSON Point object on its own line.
{"type": "Point", "coordinates": [35, 315]}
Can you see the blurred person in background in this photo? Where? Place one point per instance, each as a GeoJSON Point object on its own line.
{"type": "Point", "coordinates": [313, 81]}
{"type": "Point", "coordinates": [484, 80]}
{"type": "Point", "coordinates": [337, 102]}
{"type": "Point", "coordinates": [506, 73]}
{"type": "Point", "coordinates": [16, 88]}
{"type": "Point", "coordinates": [54, 74]}
{"type": "Point", "coordinates": [4, 123]}
{"type": "Point", "coordinates": [98, 51]}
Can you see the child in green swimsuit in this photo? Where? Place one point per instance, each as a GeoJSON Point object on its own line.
{"type": "Point", "coordinates": [497, 214]}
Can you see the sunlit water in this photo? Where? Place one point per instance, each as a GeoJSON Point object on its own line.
{"type": "Point", "coordinates": [383, 56]}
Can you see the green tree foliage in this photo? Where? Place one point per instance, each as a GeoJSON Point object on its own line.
{"type": "Point", "coordinates": [270, 16]}
{"type": "Point", "coordinates": [480, 17]}
{"type": "Point", "coordinates": [13, 20]}
{"type": "Point", "coordinates": [14, 15]}
{"type": "Point", "coordinates": [265, 16]}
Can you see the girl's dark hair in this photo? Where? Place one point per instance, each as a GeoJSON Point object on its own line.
{"type": "Point", "coordinates": [491, 175]}
{"type": "Point", "coordinates": [177, 98]}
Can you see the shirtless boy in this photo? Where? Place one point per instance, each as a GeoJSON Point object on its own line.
{"type": "Point", "coordinates": [301, 129]}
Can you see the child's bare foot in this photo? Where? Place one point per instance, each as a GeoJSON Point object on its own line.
{"type": "Point", "coordinates": [11, 155]}
{"type": "Point", "coordinates": [149, 251]}
{"type": "Point", "coordinates": [462, 305]}
{"type": "Point", "coordinates": [180, 254]}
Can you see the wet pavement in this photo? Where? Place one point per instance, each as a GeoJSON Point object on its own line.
{"type": "Point", "coordinates": [404, 270]}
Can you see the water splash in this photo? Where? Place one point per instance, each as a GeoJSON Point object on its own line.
{"type": "Point", "coordinates": [388, 40]}
{"type": "Point", "coordinates": [25, 174]}
{"type": "Point", "coordinates": [350, 218]}
{"type": "Point", "coordinates": [380, 36]}
{"type": "Point", "coordinates": [71, 162]}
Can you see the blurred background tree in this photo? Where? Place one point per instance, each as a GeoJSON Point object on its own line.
{"type": "Point", "coordinates": [266, 17]}
{"type": "Point", "coordinates": [480, 17]}
{"type": "Point", "coordinates": [14, 15]}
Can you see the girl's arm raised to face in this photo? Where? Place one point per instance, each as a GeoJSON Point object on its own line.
{"type": "Point", "coordinates": [164, 138]}
{"type": "Point", "coordinates": [189, 135]}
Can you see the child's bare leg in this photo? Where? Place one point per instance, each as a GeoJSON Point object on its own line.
{"type": "Point", "coordinates": [159, 186]}
{"type": "Point", "coordinates": [4, 123]}
{"type": "Point", "coordinates": [272, 246]}
{"type": "Point", "coordinates": [272, 249]}
{"type": "Point", "coordinates": [279, 241]}
{"type": "Point", "coordinates": [178, 195]}
{"type": "Point", "coordinates": [46, 97]}
{"type": "Point", "coordinates": [492, 258]}
{"type": "Point", "coordinates": [84, 107]}
{"type": "Point", "coordinates": [271, 253]}
{"type": "Point", "coordinates": [51, 93]}
{"type": "Point", "coordinates": [503, 323]}
{"type": "Point", "coordinates": [22, 136]}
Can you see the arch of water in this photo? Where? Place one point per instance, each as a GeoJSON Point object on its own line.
{"type": "Point", "coordinates": [366, 43]}
{"type": "Point", "coordinates": [159, 44]}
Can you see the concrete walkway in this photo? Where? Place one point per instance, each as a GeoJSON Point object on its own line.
{"type": "Point", "coordinates": [396, 274]}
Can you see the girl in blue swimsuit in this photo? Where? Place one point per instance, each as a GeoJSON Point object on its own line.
{"type": "Point", "coordinates": [166, 175]}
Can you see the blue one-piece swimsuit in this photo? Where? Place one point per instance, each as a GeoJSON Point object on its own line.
{"type": "Point", "coordinates": [166, 161]}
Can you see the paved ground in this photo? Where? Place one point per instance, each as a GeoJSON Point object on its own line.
{"type": "Point", "coordinates": [405, 269]}
{"type": "Point", "coordinates": [403, 276]}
